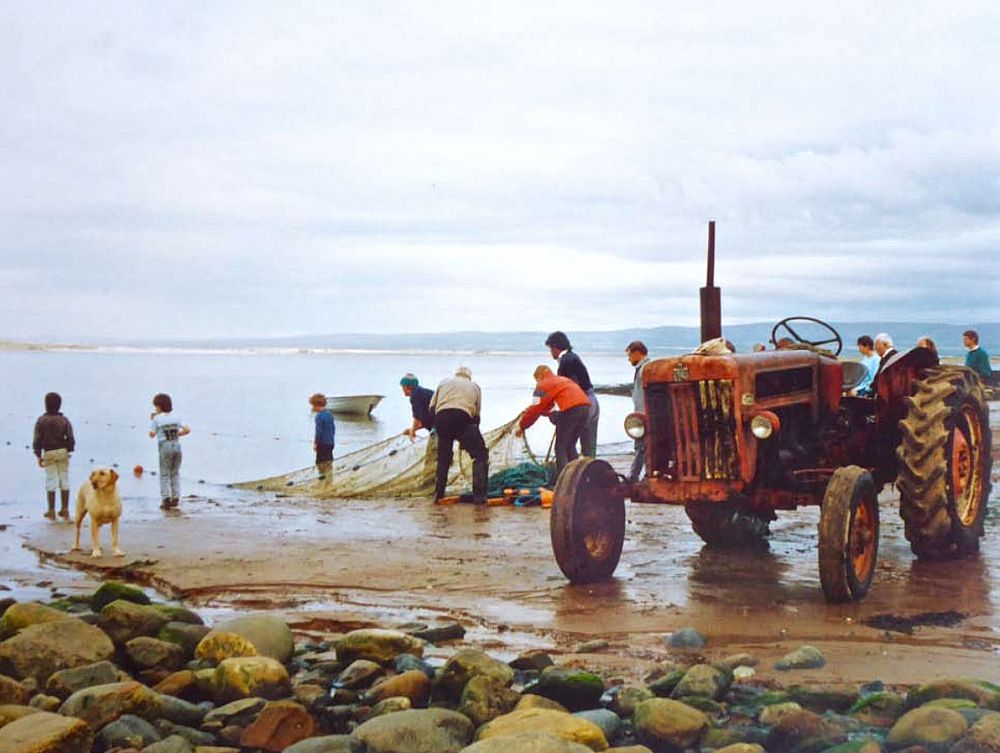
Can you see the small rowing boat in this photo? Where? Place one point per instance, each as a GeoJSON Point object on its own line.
{"type": "Point", "coordinates": [354, 405]}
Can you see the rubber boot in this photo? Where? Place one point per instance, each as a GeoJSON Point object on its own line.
{"type": "Point", "coordinates": [64, 504]}
{"type": "Point", "coordinates": [480, 476]}
{"type": "Point", "coordinates": [50, 497]}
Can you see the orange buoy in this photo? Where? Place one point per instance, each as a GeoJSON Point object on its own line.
{"type": "Point", "coordinates": [137, 470]}
{"type": "Point", "coordinates": [547, 495]}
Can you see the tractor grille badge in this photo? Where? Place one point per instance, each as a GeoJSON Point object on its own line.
{"type": "Point", "coordinates": [747, 399]}
{"type": "Point", "coordinates": [681, 373]}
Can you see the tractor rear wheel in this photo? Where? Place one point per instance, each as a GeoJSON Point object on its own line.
{"type": "Point", "coordinates": [726, 524]}
{"type": "Point", "coordinates": [848, 535]}
{"type": "Point", "coordinates": [944, 461]}
{"type": "Point", "coordinates": [588, 521]}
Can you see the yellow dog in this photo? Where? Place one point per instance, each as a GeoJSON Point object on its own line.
{"type": "Point", "coordinates": [99, 497]}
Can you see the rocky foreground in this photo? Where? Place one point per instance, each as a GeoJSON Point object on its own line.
{"type": "Point", "coordinates": [115, 673]}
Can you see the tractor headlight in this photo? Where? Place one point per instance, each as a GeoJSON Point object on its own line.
{"type": "Point", "coordinates": [761, 427]}
{"type": "Point", "coordinates": [635, 425]}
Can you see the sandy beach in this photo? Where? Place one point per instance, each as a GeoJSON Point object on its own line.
{"type": "Point", "coordinates": [329, 566]}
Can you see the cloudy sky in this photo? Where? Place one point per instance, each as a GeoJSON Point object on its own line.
{"type": "Point", "coordinates": [189, 169]}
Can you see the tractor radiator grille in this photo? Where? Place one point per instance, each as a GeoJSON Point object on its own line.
{"type": "Point", "coordinates": [692, 430]}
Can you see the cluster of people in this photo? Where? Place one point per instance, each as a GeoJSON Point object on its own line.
{"type": "Point", "coordinates": [53, 442]}
{"type": "Point", "coordinates": [452, 412]}
{"type": "Point", "coordinates": [876, 353]}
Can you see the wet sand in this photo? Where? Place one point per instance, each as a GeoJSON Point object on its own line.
{"type": "Point", "coordinates": [330, 566]}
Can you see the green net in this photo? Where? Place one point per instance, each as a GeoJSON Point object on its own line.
{"type": "Point", "coordinates": [397, 467]}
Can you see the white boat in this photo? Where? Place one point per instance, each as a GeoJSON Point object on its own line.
{"type": "Point", "coordinates": [355, 405]}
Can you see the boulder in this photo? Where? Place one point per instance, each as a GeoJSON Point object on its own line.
{"type": "Point", "coordinates": [13, 692]}
{"type": "Point", "coordinates": [415, 731]}
{"type": "Point", "coordinates": [742, 748]}
{"type": "Point", "coordinates": [414, 685]}
{"type": "Point", "coordinates": [609, 722]}
{"type": "Point", "coordinates": [11, 713]}
{"type": "Point", "coordinates": [66, 682]}
{"type": "Point", "coordinates": [804, 730]}
{"type": "Point", "coordinates": [148, 653]}
{"type": "Point", "coordinates": [239, 713]}
{"type": "Point", "coordinates": [538, 702]}
{"type": "Point", "coordinates": [358, 674]}
{"type": "Point", "coordinates": [558, 723]}
{"type": "Point", "coordinates": [576, 689]}
{"type": "Point", "coordinates": [178, 613]}
{"type": "Point", "coordinates": [124, 620]}
{"type": "Point", "coordinates": [662, 723]}
{"type": "Point", "coordinates": [128, 731]}
{"type": "Point", "coordinates": [183, 634]}
{"type": "Point", "coordinates": [243, 677]}
{"type": "Point", "coordinates": [686, 638]}
{"type": "Point", "coordinates": [662, 687]}
{"type": "Point", "coordinates": [44, 702]}
{"type": "Point", "coordinates": [982, 737]}
{"type": "Point", "coordinates": [170, 744]}
{"type": "Point", "coordinates": [42, 649]}
{"type": "Point", "coordinates": [984, 694]}
{"type": "Point", "coordinates": [466, 664]}
{"type": "Point", "coordinates": [534, 659]}
{"type": "Point", "coordinates": [806, 657]}
{"type": "Point", "coordinates": [824, 697]}
{"type": "Point", "coordinates": [178, 684]}
{"type": "Point", "coordinates": [21, 615]}
{"type": "Point", "coordinates": [703, 680]}
{"type": "Point", "coordinates": [732, 661]}
{"type": "Point", "coordinates": [880, 709]}
{"type": "Point", "coordinates": [42, 732]}
{"type": "Point", "coordinates": [327, 744]}
{"type": "Point", "coordinates": [251, 635]}
{"type": "Point", "coordinates": [390, 706]}
{"type": "Point", "coordinates": [102, 704]}
{"type": "Point", "coordinates": [929, 726]}
{"type": "Point", "coordinates": [113, 590]}
{"type": "Point", "coordinates": [378, 645]}
{"type": "Point", "coordinates": [527, 742]}
{"type": "Point", "coordinates": [772, 713]}
{"type": "Point", "coordinates": [625, 699]}
{"type": "Point", "coordinates": [279, 725]}
{"type": "Point", "coordinates": [483, 700]}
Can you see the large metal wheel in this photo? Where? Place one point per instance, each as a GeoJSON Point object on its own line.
{"type": "Point", "coordinates": [944, 461]}
{"type": "Point", "coordinates": [848, 535]}
{"type": "Point", "coordinates": [588, 521]}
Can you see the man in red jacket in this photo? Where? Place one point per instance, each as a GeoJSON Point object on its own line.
{"type": "Point", "coordinates": [570, 419]}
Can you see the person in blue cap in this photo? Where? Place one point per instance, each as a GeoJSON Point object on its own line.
{"type": "Point", "coordinates": [420, 405]}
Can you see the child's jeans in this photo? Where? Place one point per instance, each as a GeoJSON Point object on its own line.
{"type": "Point", "coordinates": [170, 470]}
{"type": "Point", "coordinates": [56, 464]}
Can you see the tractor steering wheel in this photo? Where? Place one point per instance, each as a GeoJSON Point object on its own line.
{"type": "Point", "coordinates": [786, 325]}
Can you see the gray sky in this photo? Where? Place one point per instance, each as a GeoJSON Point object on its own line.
{"type": "Point", "coordinates": [186, 169]}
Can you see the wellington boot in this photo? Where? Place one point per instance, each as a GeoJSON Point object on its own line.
{"type": "Point", "coordinates": [480, 477]}
{"type": "Point", "coordinates": [50, 498]}
{"type": "Point", "coordinates": [64, 504]}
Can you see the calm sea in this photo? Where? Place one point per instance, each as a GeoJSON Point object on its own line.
{"type": "Point", "coordinates": [247, 410]}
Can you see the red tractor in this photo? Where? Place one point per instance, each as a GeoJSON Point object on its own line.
{"type": "Point", "coordinates": [735, 437]}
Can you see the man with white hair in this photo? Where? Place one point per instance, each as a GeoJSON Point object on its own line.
{"type": "Point", "coordinates": [455, 406]}
{"type": "Point", "coordinates": [885, 350]}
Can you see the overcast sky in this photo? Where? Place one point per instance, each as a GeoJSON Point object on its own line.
{"type": "Point", "coordinates": [188, 169]}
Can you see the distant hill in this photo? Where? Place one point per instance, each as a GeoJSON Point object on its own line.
{"type": "Point", "coordinates": [660, 340]}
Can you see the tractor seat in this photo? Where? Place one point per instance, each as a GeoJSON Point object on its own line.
{"type": "Point", "coordinates": [853, 372]}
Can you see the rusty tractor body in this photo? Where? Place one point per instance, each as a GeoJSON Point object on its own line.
{"type": "Point", "coordinates": [735, 438]}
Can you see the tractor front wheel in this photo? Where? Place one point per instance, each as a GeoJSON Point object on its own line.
{"type": "Point", "coordinates": [726, 524]}
{"type": "Point", "coordinates": [588, 521]}
{"type": "Point", "coordinates": [848, 535]}
{"type": "Point", "coordinates": [943, 469]}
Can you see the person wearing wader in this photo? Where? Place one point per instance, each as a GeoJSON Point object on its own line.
{"type": "Point", "coordinates": [455, 405]}
{"type": "Point", "coordinates": [573, 405]}
{"type": "Point", "coordinates": [167, 429]}
{"type": "Point", "coordinates": [571, 365]}
{"type": "Point", "coordinates": [54, 438]}
{"type": "Point", "coordinates": [638, 356]}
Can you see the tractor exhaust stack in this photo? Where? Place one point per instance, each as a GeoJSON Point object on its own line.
{"type": "Point", "coordinates": [711, 296]}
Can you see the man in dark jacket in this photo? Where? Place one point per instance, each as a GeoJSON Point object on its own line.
{"type": "Point", "coordinates": [571, 366]}
{"type": "Point", "coordinates": [420, 405]}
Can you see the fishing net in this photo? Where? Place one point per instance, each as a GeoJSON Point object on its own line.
{"type": "Point", "coordinates": [397, 467]}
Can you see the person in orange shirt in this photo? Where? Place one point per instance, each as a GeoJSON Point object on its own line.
{"type": "Point", "coordinates": [571, 418]}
